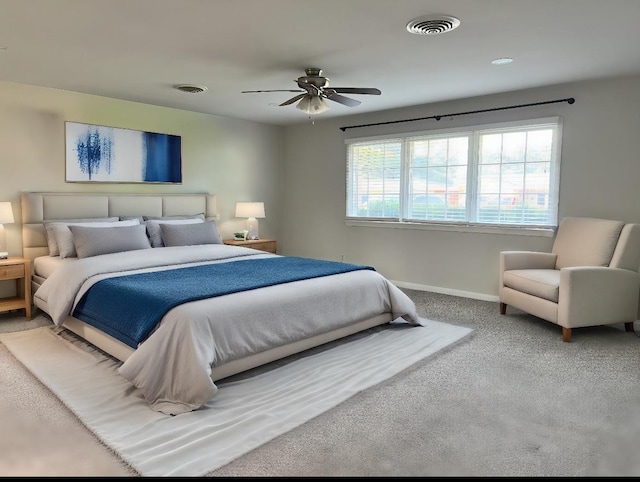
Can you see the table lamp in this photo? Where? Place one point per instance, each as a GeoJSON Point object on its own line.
{"type": "Point", "coordinates": [251, 211]}
{"type": "Point", "coordinates": [6, 217]}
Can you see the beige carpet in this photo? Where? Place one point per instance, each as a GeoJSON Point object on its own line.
{"type": "Point", "coordinates": [248, 411]}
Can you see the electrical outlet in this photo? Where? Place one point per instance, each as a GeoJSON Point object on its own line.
{"type": "Point", "coordinates": [342, 257]}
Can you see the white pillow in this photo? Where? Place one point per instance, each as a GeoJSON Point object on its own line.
{"type": "Point", "coordinates": [64, 237]}
{"type": "Point", "coordinates": [51, 237]}
{"type": "Point", "coordinates": [155, 234]}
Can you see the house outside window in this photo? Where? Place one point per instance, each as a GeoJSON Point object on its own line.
{"type": "Point", "coordinates": [499, 175]}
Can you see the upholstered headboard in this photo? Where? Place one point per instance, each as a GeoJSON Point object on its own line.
{"type": "Point", "coordinates": [44, 206]}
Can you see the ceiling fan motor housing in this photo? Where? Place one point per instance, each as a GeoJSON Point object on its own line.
{"type": "Point", "coordinates": [313, 82]}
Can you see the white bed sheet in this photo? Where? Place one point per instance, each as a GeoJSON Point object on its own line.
{"type": "Point", "coordinates": [172, 368]}
{"type": "Point", "coordinates": [44, 266]}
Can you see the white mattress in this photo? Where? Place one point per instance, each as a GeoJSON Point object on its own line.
{"type": "Point", "coordinates": [43, 266]}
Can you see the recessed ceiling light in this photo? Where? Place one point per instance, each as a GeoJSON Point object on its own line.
{"type": "Point", "coordinates": [502, 61]}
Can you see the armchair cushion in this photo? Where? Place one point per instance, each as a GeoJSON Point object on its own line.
{"type": "Point", "coordinates": [542, 283]}
{"type": "Point", "coordinates": [586, 241]}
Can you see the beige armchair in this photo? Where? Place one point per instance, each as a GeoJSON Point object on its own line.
{"type": "Point", "coordinates": [591, 277]}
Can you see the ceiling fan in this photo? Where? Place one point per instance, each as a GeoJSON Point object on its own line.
{"type": "Point", "coordinates": [315, 89]}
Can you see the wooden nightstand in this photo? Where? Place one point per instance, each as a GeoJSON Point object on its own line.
{"type": "Point", "coordinates": [268, 245]}
{"type": "Point", "coordinates": [18, 269]}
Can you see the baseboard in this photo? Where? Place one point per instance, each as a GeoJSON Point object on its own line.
{"type": "Point", "coordinates": [446, 291]}
{"type": "Point", "coordinates": [466, 294]}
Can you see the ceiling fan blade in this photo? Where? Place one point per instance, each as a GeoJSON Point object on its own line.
{"type": "Point", "coordinates": [254, 91]}
{"type": "Point", "coordinates": [341, 99]}
{"type": "Point", "coordinates": [293, 99]}
{"type": "Point", "coordinates": [356, 90]}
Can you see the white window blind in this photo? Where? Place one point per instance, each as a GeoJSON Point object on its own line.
{"type": "Point", "coordinates": [505, 174]}
{"type": "Point", "coordinates": [374, 179]}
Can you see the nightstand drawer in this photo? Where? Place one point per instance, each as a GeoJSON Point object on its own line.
{"type": "Point", "coordinates": [12, 271]}
{"type": "Point", "coordinates": [268, 246]}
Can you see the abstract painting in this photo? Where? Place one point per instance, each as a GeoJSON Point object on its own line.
{"type": "Point", "coordinates": [110, 154]}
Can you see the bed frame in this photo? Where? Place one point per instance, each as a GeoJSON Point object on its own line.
{"type": "Point", "coordinates": [38, 207]}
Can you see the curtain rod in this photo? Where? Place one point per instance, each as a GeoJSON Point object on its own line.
{"type": "Point", "coordinates": [570, 100]}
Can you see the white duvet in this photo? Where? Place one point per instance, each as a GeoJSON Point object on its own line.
{"type": "Point", "coordinates": [172, 367]}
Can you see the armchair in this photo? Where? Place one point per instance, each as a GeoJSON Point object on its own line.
{"type": "Point", "coordinates": [591, 277]}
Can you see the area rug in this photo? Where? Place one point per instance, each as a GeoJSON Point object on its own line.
{"type": "Point", "coordinates": [249, 409]}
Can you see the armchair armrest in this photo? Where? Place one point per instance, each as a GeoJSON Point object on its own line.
{"type": "Point", "coordinates": [597, 295]}
{"type": "Point", "coordinates": [526, 260]}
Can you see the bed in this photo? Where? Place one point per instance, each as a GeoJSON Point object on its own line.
{"type": "Point", "coordinates": [219, 310]}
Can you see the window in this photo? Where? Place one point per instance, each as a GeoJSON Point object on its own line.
{"type": "Point", "coordinates": [505, 175]}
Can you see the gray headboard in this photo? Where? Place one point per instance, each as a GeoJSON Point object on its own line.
{"type": "Point", "coordinates": [44, 206]}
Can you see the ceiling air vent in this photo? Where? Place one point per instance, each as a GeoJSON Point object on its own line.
{"type": "Point", "coordinates": [191, 89]}
{"type": "Point", "coordinates": [433, 24]}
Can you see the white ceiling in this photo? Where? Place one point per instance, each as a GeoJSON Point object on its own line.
{"type": "Point", "coordinates": [139, 49]}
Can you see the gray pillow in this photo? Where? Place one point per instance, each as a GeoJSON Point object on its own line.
{"type": "Point", "coordinates": [95, 241]}
{"type": "Point", "coordinates": [178, 216]}
{"type": "Point", "coordinates": [155, 234]}
{"type": "Point", "coordinates": [190, 234]}
{"type": "Point", "coordinates": [51, 237]}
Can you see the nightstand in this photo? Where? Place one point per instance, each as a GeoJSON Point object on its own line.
{"type": "Point", "coordinates": [18, 269]}
{"type": "Point", "coordinates": [268, 245]}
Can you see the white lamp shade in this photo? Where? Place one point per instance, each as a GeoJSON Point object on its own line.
{"type": "Point", "coordinates": [6, 213]}
{"type": "Point", "coordinates": [312, 104]}
{"type": "Point", "coordinates": [250, 210]}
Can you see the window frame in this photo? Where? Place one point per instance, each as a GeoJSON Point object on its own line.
{"type": "Point", "coordinates": [473, 159]}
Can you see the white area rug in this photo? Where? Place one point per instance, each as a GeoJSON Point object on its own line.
{"type": "Point", "coordinates": [249, 410]}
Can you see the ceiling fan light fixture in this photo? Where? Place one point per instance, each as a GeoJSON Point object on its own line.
{"type": "Point", "coordinates": [312, 104]}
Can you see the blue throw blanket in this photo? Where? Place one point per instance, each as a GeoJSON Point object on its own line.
{"type": "Point", "coordinates": [129, 307]}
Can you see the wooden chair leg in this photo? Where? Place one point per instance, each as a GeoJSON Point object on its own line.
{"type": "Point", "coordinates": [503, 308]}
{"type": "Point", "coordinates": [566, 334]}
{"type": "Point", "coordinates": [629, 327]}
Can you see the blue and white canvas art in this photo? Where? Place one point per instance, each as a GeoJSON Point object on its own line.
{"type": "Point", "coordinates": [110, 154]}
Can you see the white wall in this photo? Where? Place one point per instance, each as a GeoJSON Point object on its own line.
{"type": "Point", "coordinates": [235, 159]}
{"type": "Point", "coordinates": [299, 172]}
{"type": "Point", "coordinates": [600, 177]}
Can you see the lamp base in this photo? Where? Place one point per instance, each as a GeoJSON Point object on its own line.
{"type": "Point", "coordinates": [252, 228]}
{"type": "Point", "coordinates": [4, 255]}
